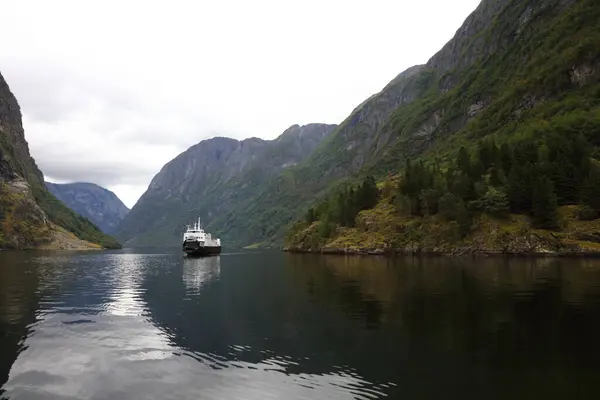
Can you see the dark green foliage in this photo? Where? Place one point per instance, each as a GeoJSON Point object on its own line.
{"type": "Point", "coordinates": [493, 202]}
{"type": "Point", "coordinates": [462, 185]}
{"type": "Point", "coordinates": [488, 155]}
{"type": "Point", "coordinates": [464, 162]}
{"type": "Point", "coordinates": [497, 177]}
{"type": "Point", "coordinates": [452, 208]}
{"type": "Point", "coordinates": [590, 195]}
{"type": "Point", "coordinates": [520, 184]}
{"type": "Point", "coordinates": [544, 204]}
{"type": "Point", "coordinates": [311, 216]}
{"type": "Point", "coordinates": [505, 158]}
{"type": "Point", "coordinates": [367, 194]}
{"type": "Point", "coordinates": [326, 227]}
{"type": "Point", "coordinates": [342, 206]}
{"type": "Point", "coordinates": [429, 199]}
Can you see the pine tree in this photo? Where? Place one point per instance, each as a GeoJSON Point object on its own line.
{"type": "Point", "coordinates": [505, 158]}
{"type": "Point", "coordinates": [462, 186]}
{"type": "Point", "coordinates": [497, 177]}
{"type": "Point", "coordinates": [310, 216]}
{"type": "Point", "coordinates": [544, 204]}
{"type": "Point", "coordinates": [452, 208]}
{"type": "Point", "coordinates": [520, 187]}
{"type": "Point", "coordinates": [487, 154]}
{"type": "Point", "coordinates": [566, 181]}
{"type": "Point", "coordinates": [590, 192]}
{"type": "Point", "coordinates": [463, 161]}
{"type": "Point", "coordinates": [494, 202]}
{"type": "Point", "coordinates": [368, 193]}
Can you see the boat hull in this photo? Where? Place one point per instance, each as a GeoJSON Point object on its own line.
{"type": "Point", "coordinates": [194, 249]}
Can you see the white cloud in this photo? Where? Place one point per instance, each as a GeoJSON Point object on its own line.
{"type": "Point", "coordinates": [111, 91]}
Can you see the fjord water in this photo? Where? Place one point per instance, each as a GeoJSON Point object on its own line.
{"type": "Point", "coordinates": [133, 325]}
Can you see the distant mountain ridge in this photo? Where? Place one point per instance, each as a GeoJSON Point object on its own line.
{"type": "Point", "coordinates": [214, 179]}
{"type": "Point", "coordinates": [99, 205]}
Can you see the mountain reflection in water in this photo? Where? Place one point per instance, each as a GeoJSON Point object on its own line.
{"type": "Point", "coordinates": [134, 325]}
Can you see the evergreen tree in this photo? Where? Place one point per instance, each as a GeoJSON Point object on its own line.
{"type": "Point", "coordinates": [429, 201]}
{"type": "Point", "coordinates": [494, 202]}
{"type": "Point", "coordinates": [520, 187]}
{"type": "Point", "coordinates": [463, 161]}
{"type": "Point", "coordinates": [452, 208]}
{"type": "Point", "coordinates": [544, 204]}
{"type": "Point", "coordinates": [566, 182]}
{"type": "Point", "coordinates": [310, 216]}
{"type": "Point", "coordinates": [590, 192]}
{"type": "Point", "coordinates": [487, 154]}
{"type": "Point", "coordinates": [368, 193]}
{"type": "Point", "coordinates": [497, 177]}
{"type": "Point", "coordinates": [326, 228]}
{"type": "Point", "coordinates": [505, 158]}
{"type": "Point", "coordinates": [462, 186]}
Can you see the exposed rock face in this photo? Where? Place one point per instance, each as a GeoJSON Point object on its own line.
{"type": "Point", "coordinates": [14, 150]}
{"type": "Point", "coordinates": [466, 47]}
{"type": "Point", "coordinates": [210, 180]}
{"type": "Point", "coordinates": [99, 205]}
{"type": "Point", "coordinates": [29, 216]}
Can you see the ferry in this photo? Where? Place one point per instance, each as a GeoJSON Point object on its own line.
{"type": "Point", "coordinates": [198, 243]}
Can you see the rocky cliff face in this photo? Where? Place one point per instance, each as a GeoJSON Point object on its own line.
{"type": "Point", "coordinates": [101, 206]}
{"type": "Point", "coordinates": [30, 216]}
{"type": "Point", "coordinates": [211, 180]}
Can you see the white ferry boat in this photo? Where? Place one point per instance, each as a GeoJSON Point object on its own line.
{"type": "Point", "coordinates": [198, 243]}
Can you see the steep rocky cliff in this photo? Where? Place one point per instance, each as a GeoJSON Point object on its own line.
{"type": "Point", "coordinates": [31, 217]}
{"type": "Point", "coordinates": [101, 206]}
{"type": "Point", "coordinates": [212, 180]}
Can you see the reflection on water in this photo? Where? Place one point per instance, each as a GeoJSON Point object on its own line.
{"type": "Point", "coordinates": [256, 326]}
{"type": "Point", "coordinates": [200, 271]}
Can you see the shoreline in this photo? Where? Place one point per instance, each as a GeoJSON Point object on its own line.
{"type": "Point", "coordinates": [457, 254]}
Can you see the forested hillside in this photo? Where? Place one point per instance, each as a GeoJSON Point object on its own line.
{"type": "Point", "coordinates": [500, 154]}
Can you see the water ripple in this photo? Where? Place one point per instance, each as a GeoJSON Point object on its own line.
{"type": "Point", "coordinates": [137, 326]}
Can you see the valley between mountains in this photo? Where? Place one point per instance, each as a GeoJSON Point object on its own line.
{"type": "Point", "coordinates": [492, 146]}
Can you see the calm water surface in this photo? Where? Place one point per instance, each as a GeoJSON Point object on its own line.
{"type": "Point", "coordinates": [127, 325]}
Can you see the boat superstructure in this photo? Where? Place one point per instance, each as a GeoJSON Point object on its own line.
{"type": "Point", "coordinates": [197, 242]}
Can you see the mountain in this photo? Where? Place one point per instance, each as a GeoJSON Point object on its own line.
{"type": "Point", "coordinates": [511, 67]}
{"type": "Point", "coordinates": [30, 217]}
{"type": "Point", "coordinates": [101, 206]}
{"type": "Point", "coordinates": [215, 180]}
{"type": "Point", "coordinates": [497, 148]}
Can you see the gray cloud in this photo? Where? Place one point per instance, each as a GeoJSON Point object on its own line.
{"type": "Point", "coordinates": [110, 95]}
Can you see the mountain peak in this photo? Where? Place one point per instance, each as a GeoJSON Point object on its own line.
{"type": "Point", "coordinates": [99, 205]}
{"type": "Point", "coordinates": [212, 178]}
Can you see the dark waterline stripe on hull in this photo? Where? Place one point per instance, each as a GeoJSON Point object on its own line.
{"type": "Point", "coordinates": [202, 251]}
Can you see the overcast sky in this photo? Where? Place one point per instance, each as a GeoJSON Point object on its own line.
{"type": "Point", "coordinates": [112, 90]}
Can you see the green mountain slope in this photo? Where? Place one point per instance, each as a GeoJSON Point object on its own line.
{"type": "Point", "coordinates": [520, 82]}
{"type": "Point", "coordinates": [30, 216]}
{"type": "Point", "coordinates": [215, 180]}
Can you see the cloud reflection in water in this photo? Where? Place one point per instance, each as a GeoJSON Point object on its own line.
{"type": "Point", "coordinates": [119, 353]}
